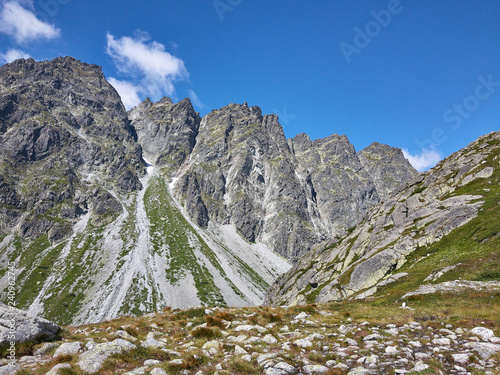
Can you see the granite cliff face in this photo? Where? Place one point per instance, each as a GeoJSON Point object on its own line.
{"type": "Point", "coordinates": [419, 220]}
{"type": "Point", "coordinates": [286, 194]}
{"type": "Point", "coordinates": [166, 131]}
{"type": "Point", "coordinates": [108, 213]}
{"type": "Point", "coordinates": [62, 127]}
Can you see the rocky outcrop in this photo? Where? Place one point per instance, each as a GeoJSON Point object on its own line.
{"type": "Point", "coordinates": [286, 194]}
{"type": "Point", "coordinates": [241, 172]}
{"type": "Point", "coordinates": [421, 213]}
{"type": "Point", "coordinates": [387, 167]}
{"type": "Point", "coordinates": [61, 122]}
{"type": "Point", "coordinates": [166, 131]}
{"type": "Point", "coordinates": [20, 326]}
{"type": "Point", "coordinates": [340, 189]}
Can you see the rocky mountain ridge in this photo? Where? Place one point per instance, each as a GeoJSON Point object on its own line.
{"type": "Point", "coordinates": [107, 213]}
{"type": "Point", "coordinates": [419, 221]}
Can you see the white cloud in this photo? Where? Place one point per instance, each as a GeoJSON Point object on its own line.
{"type": "Point", "coordinates": [148, 62]}
{"type": "Point", "coordinates": [196, 101]}
{"type": "Point", "coordinates": [13, 54]}
{"type": "Point", "coordinates": [428, 158]}
{"type": "Point", "coordinates": [127, 91]}
{"type": "Point", "coordinates": [23, 25]}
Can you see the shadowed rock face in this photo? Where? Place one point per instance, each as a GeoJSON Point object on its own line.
{"type": "Point", "coordinates": [61, 121]}
{"type": "Point", "coordinates": [417, 214]}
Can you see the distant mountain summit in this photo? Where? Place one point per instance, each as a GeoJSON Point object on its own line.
{"type": "Point", "coordinates": [108, 213]}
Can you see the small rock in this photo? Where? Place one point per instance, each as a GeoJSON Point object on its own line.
{"type": "Point", "coordinates": [374, 336]}
{"type": "Point", "coordinates": [247, 328]}
{"type": "Point", "coordinates": [238, 350]}
{"type": "Point", "coordinates": [55, 370]}
{"type": "Point", "coordinates": [420, 366]}
{"type": "Point", "coordinates": [392, 331]}
{"type": "Point", "coordinates": [47, 347]}
{"type": "Point", "coordinates": [125, 335]}
{"type": "Point", "coordinates": [484, 333]}
{"type": "Point", "coordinates": [303, 343]}
{"type": "Point", "coordinates": [315, 369]}
{"type": "Point", "coordinates": [269, 339]}
{"type": "Point", "coordinates": [351, 342]}
{"type": "Point", "coordinates": [357, 371]}
{"type": "Point", "coordinates": [213, 344]}
{"type": "Point", "coordinates": [302, 315]}
{"type": "Point", "coordinates": [485, 350]}
{"type": "Point", "coordinates": [153, 343]}
{"type": "Point", "coordinates": [253, 340]}
{"type": "Point", "coordinates": [285, 368]}
{"type": "Point", "coordinates": [443, 342]}
{"type": "Point", "coordinates": [68, 348]}
{"type": "Point", "coordinates": [390, 350]}
{"type": "Point", "coordinates": [151, 362]}
{"type": "Point", "coordinates": [158, 371]}
{"type": "Point", "coordinates": [461, 357]}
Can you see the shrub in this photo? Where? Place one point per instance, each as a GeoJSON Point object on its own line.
{"type": "Point", "coordinates": [205, 332]}
{"type": "Point", "coordinates": [213, 322]}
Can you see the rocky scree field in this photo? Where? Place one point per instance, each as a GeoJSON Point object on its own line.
{"type": "Point", "coordinates": [431, 337]}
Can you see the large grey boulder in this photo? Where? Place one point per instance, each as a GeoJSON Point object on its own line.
{"type": "Point", "coordinates": [27, 328]}
{"type": "Point", "coordinates": [92, 360]}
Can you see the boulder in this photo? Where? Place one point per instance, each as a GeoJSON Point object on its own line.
{"type": "Point", "coordinates": [25, 326]}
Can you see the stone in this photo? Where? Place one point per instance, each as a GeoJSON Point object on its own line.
{"type": "Point", "coordinates": [125, 335]}
{"type": "Point", "coordinates": [357, 371]}
{"type": "Point", "coordinates": [151, 362]}
{"type": "Point", "coordinates": [484, 333]}
{"type": "Point", "coordinates": [485, 350]}
{"type": "Point", "coordinates": [158, 371]}
{"type": "Point", "coordinates": [238, 350]}
{"type": "Point", "coordinates": [315, 369]}
{"type": "Point", "coordinates": [92, 360]}
{"type": "Point", "coordinates": [213, 344]}
{"type": "Point", "coordinates": [28, 328]}
{"type": "Point", "coordinates": [302, 315]}
{"type": "Point", "coordinates": [420, 366]}
{"type": "Point", "coordinates": [285, 368]}
{"type": "Point", "coordinates": [391, 350]}
{"type": "Point", "coordinates": [68, 348]}
{"type": "Point", "coordinates": [442, 341]}
{"type": "Point", "coordinates": [178, 362]}
{"type": "Point", "coordinates": [247, 328]}
{"type": "Point", "coordinates": [45, 348]}
{"type": "Point", "coordinates": [55, 370]}
{"type": "Point", "coordinates": [153, 343]}
{"type": "Point", "coordinates": [303, 343]}
{"type": "Point", "coordinates": [461, 357]}
{"type": "Point", "coordinates": [373, 336]}
{"type": "Point", "coordinates": [269, 339]}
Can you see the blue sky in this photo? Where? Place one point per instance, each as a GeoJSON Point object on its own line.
{"type": "Point", "coordinates": [423, 75]}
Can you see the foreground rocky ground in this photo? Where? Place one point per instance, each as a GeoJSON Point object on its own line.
{"type": "Point", "coordinates": [265, 340]}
